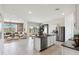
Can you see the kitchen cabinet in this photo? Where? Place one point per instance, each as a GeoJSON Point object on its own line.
{"type": "Point", "coordinates": [40, 43]}
{"type": "Point", "coordinates": [37, 44]}
{"type": "Point", "coordinates": [44, 42]}
{"type": "Point", "coordinates": [51, 40]}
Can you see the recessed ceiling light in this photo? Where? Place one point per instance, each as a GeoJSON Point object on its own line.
{"type": "Point", "coordinates": [30, 12]}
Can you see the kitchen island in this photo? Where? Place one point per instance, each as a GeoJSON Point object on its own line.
{"type": "Point", "coordinates": [44, 42]}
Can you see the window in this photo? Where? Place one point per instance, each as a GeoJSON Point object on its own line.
{"type": "Point", "coordinates": [8, 27]}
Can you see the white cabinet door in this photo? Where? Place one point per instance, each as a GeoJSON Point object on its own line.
{"type": "Point", "coordinates": [48, 41]}
{"type": "Point", "coordinates": [54, 39]}
{"type": "Point", "coordinates": [37, 44]}
{"type": "Point", "coordinates": [51, 40]}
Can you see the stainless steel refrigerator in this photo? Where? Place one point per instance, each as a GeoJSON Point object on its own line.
{"type": "Point", "coordinates": [60, 35]}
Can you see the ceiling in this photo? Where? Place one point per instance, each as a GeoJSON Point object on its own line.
{"type": "Point", "coordinates": [38, 12]}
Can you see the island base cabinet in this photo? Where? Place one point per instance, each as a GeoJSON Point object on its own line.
{"type": "Point", "coordinates": [40, 44]}
{"type": "Point", "coordinates": [51, 40]}
{"type": "Point", "coordinates": [54, 39]}
{"type": "Point", "coordinates": [37, 44]}
{"type": "Point", "coordinates": [44, 43]}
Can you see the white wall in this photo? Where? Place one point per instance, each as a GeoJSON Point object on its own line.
{"type": "Point", "coordinates": [54, 23]}
{"type": "Point", "coordinates": [77, 19]}
{"type": "Point", "coordinates": [12, 18]}
{"type": "Point", "coordinates": [69, 26]}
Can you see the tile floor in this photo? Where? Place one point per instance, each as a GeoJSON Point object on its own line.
{"type": "Point", "coordinates": [25, 47]}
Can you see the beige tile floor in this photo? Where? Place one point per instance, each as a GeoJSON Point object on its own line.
{"type": "Point", "coordinates": [25, 47]}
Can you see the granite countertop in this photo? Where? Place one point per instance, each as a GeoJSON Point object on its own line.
{"type": "Point", "coordinates": [46, 35]}
{"type": "Point", "coordinates": [50, 35]}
